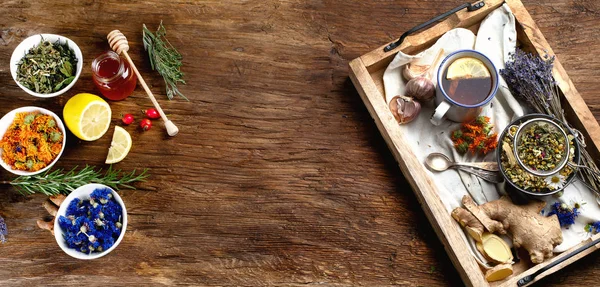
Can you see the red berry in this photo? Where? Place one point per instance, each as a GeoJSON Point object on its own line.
{"type": "Point", "coordinates": [146, 124]}
{"type": "Point", "coordinates": [152, 113]}
{"type": "Point", "coordinates": [127, 119]}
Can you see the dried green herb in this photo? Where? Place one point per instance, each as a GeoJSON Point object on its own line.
{"type": "Point", "coordinates": [164, 59]}
{"type": "Point", "coordinates": [47, 67]}
{"type": "Point", "coordinates": [526, 180]}
{"type": "Point", "coordinates": [541, 147]}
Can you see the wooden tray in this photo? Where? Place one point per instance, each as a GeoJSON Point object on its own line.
{"type": "Point", "coordinates": [367, 76]}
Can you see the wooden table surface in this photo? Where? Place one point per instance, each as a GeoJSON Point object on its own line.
{"type": "Point", "coordinates": [279, 175]}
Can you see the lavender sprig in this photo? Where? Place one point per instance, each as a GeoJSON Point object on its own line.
{"type": "Point", "coordinates": [530, 77]}
{"type": "Point", "coordinates": [3, 230]}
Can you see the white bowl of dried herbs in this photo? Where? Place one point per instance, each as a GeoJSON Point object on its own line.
{"type": "Point", "coordinates": [46, 65]}
{"type": "Point", "coordinates": [91, 222]}
{"type": "Point", "coordinates": [32, 139]}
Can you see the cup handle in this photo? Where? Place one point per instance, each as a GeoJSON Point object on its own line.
{"type": "Point", "coordinates": [440, 111]}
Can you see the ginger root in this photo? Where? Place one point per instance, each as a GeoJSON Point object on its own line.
{"type": "Point", "coordinates": [498, 272]}
{"type": "Point", "coordinates": [529, 229]}
{"type": "Point", "coordinates": [469, 222]}
{"type": "Point", "coordinates": [51, 206]}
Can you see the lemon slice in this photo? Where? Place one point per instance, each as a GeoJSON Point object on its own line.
{"type": "Point", "coordinates": [87, 116]}
{"type": "Point", "coordinates": [119, 147]}
{"type": "Point", "coordinates": [467, 68]}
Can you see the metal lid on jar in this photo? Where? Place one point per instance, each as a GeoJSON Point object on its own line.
{"type": "Point", "coordinates": [541, 147]}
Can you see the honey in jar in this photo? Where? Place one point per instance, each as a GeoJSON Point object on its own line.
{"type": "Point", "coordinates": [113, 76]}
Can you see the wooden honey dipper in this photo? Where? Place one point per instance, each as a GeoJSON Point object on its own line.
{"type": "Point", "coordinates": [119, 44]}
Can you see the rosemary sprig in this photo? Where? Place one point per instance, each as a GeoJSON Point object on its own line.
{"type": "Point", "coordinates": [58, 181]}
{"type": "Point", "coordinates": [164, 59]}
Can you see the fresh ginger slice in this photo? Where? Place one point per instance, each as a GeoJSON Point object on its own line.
{"type": "Point", "coordinates": [498, 272]}
{"type": "Point", "coordinates": [479, 246]}
{"type": "Point", "coordinates": [496, 248]}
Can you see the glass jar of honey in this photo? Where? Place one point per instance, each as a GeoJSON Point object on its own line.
{"type": "Point", "coordinates": [113, 76]}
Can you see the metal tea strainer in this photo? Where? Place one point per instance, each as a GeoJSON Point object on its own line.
{"type": "Point", "coordinates": [541, 146]}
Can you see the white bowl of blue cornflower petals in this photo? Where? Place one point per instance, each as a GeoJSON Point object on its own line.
{"type": "Point", "coordinates": [91, 222]}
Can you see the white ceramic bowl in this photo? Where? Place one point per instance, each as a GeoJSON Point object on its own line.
{"type": "Point", "coordinates": [83, 193]}
{"type": "Point", "coordinates": [8, 119]}
{"type": "Point", "coordinates": [22, 49]}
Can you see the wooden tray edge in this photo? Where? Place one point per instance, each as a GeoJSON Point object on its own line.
{"type": "Point", "coordinates": [447, 230]}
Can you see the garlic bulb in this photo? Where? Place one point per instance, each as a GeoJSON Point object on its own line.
{"type": "Point", "coordinates": [420, 88]}
{"type": "Point", "coordinates": [404, 109]}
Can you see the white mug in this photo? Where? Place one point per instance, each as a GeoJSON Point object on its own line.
{"type": "Point", "coordinates": [451, 109]}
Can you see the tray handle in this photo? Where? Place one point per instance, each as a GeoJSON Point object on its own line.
{"type": "Point", "coordinates": [470, 7]}
{"type": "Point", "coordinates": [527, 279]}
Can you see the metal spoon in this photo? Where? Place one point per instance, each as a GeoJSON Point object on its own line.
{"type": "Point", "coordinates": [484, 170]}
{"type": "Point", "coordinates": [440, 162]}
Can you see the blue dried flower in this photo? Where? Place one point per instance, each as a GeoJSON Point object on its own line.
{"type": "Point", "coordinates": [101, 194]}
{"type": "Point", "coordinates": [107, 243]}
{"type": "Point", "coordinates": [95, 244]}
{"type": "Point", "coordinates": [112, 211]}
{"type": "Point", "coordinates": [593, 227]}
{"type": "Point", "coordinates": [3, 230]}
{"type": "Point", "coordinates": [566, 215]}
{"type": "Point", "coordinates": [76, 207]}
{"type": "Point", "coordinates": [75, 239]}
{"type": "Point", "coordinates": [95, 210]}
{"type": "Point", "coordinates": [92, 226]}
{"type": "Point", "coordinates": [66, 223]}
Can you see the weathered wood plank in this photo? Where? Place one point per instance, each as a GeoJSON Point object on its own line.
{"type": "Point", "coordinates": [279, 176]}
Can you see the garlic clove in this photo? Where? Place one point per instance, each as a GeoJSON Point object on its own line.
{"type": "Point", "coordinates": [412, 71]}
{"type": "Point", "coordinates": [421, 89]}
{"type": "Point", "coordinates": [404, 109]}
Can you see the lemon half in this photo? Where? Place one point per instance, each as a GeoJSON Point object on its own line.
{"type": "Point", "coordinates": [87, 116]}
{"type": "Point", "coordinates": [119, 147]}
{"type": "Point", "coordinates": [467, 68]}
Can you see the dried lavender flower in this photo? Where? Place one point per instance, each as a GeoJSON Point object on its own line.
{"type": "Point", "coordinates": [3, 230]}
{"type": "Point", "coordinates": [530, 77]}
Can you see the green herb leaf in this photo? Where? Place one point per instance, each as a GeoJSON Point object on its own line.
{"type": "Point", "coordinates": [65, 82]}
{"type": "Point", "coordinates": [66, 69]}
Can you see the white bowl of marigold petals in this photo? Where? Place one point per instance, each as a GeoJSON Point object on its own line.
{"type": "Point", "coordinates": [91, 222]}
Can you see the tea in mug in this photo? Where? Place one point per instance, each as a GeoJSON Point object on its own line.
{"type": "Point", "coordinates": [467, 81]}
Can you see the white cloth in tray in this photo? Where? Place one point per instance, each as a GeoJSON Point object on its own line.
{"type": "Point", "coordinates": [496, 38]}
